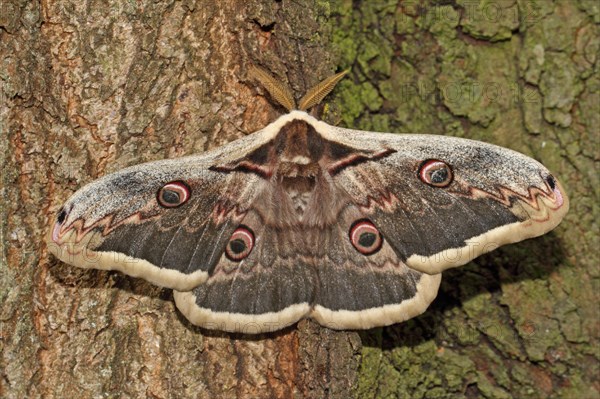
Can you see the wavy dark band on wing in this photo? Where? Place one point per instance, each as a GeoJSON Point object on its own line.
{"type": "Point", "coordinates": [176, 248]}
{"type": "Point", "coordinates": [266, 289]}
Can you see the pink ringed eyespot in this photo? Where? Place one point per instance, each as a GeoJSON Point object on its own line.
{"type": "Point", "coordinates": [436, 173]}
{"type": "Point", "coordinates": [173, 194]}
{"type": "Point", "coordinates": [365, 237]}
{"type": "Point", "coordinates": [240, 244]}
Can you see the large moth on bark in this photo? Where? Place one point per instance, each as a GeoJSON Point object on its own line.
{"type": "Point", "coordinates": [304, 219]}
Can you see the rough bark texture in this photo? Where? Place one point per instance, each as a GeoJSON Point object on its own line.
{"type": "Point", "coordinates": [90, 87]}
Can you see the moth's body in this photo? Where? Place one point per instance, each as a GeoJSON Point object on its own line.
{"type": "Point", "coordinates": [303, 219]}
{"type": "Point", "coordinates": [292, 168]}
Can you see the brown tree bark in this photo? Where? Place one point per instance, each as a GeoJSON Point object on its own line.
{"type": "Point", "coordinates": [91, 87]}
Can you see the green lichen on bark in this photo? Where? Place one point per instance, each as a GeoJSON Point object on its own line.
{"type": "Point", "coordinates": [521, 321]}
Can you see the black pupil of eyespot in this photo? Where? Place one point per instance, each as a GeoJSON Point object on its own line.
{"type": "Point", "coordinates": [237, 246]}
{"type": "Point", "coordinates": [170, 196]}
{"type": "Point", "coordinates": [367, 239]}
{"type": "Point", "coordinates": [439, 176]}
{"type": "Point", "coordinates": [551, 182]}
{"type": "Point", "coordinates": [61, 216]}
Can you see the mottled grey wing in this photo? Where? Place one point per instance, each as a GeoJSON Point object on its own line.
{"type": "Point", "coordinates": [117, 222]}
{"type": "Point", "coordinates": [496, 196]}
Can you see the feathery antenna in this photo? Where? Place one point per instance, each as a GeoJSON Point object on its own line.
{"type": "Point", "coordinates": [283, 95]}
{"type": "Point", "coordinates": [279, 91]}
{"type": "Point", "coordinates": [317, 93]}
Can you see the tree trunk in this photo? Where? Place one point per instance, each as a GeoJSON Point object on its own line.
{"type": "Point", "coordinates": [91, 87]}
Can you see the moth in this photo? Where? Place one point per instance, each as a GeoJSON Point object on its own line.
{"type": "Point", "coordinates": [304, 219]}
